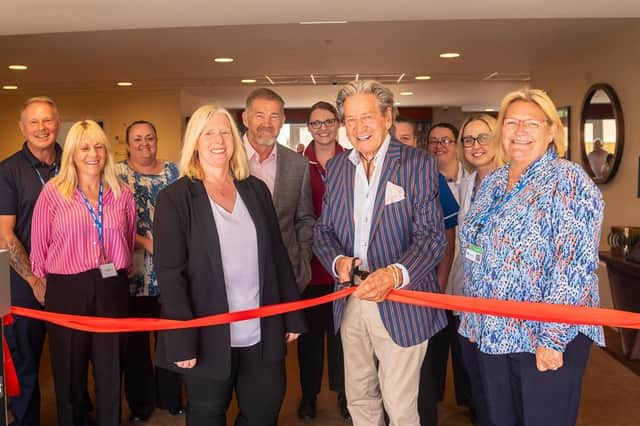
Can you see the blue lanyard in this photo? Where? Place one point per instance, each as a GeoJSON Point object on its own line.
{"type": "Point", "coordinates": [40, 178]}
{"type": "Point", "coordinates": [97, 219]}
{"type": "Point", "coordinates": [323, 176]}
{"type": "Point", "coordinates": [497, 202]}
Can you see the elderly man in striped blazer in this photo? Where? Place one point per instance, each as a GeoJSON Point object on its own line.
{"type": "Point", "coordinates": [381, 228]}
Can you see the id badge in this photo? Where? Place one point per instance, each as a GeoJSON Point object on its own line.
{"type": "Point", "coordinates": [473, 253]}
{"type": "Point", "coordinates": [108, 270]}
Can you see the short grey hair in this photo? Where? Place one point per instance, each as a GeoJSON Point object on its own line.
{"type": "Point", "coordinates": [39, 100]}
{"type": "Point", "coordinates": [355, 87]}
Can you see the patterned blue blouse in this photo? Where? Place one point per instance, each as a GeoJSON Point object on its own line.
{"type": "Point", "coordinates": [539, 244]}
{"type": "Point", "coordinates": [145, 188]}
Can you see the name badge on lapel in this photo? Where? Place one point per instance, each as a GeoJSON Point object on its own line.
{"type": "Point", "coordinates": [473, 253]}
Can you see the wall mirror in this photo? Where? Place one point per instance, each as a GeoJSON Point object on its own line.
{"type": "Point", "coordinates": [602, 132]}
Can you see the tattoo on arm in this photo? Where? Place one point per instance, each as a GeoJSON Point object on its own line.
{"type": "Point", "coordinates": [19, 259]}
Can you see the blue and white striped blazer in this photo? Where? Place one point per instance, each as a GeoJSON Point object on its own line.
{"type": "Point", "coordinates": [409, 232]}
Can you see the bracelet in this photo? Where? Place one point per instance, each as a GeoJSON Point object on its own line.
{"type": "Point", "coordinates": [397, 275]}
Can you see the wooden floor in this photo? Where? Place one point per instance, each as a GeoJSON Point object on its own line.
{"type": "Point", "coordinates": [611, 396]}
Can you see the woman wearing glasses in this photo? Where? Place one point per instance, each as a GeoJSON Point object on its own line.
{"type": "Point", "coordinates": [323, 125]}
{"type": "Point", "coordinates": [441, 143]}
{"type": "Point", "coordinates": [480, 153]}
{"type": "Point", "coordinates": [532, 234]}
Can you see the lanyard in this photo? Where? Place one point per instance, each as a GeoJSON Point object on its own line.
{"type": "Point", "coordinates": [318, 167]}
{"type": "Point", "coordinates": [40, 178]}
{"type": "Point", "coordinates": [497, 202]}
{"type": "Point", "coordinates": [97, 218]}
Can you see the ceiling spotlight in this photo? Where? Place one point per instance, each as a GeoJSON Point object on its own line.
{"type": "Point", "coordinates": [449, 55]}
{"type": "Point", "coordinates": [313, 79]}
{"type": "Point", "coordinates": [406, 93]}
{"type": "Point", "coordinates": [18, 67]}
{"type": "Point", "coordinates": [489, 110]}
{"type": "Point", "coordinates": [10, 87]}
{"type": "Point", "coordinates": [422, 77]}
{"type": "Point", "coordinates": [400, 78]}
{"type": "Point", "coordinates": [248, 80]}
{"type": "Point", "coordinates": [269, 80]}
{"type": "Point", "coordinates": [396, 103]}
{"type": "Point", "coordinates": [223, 60]}
{"type": "Point", "coordinates": [321, 22]}
{"type": "Point", "coordinates": [124, 83]}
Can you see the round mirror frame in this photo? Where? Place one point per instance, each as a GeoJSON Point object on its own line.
{"type": "Point", "coordinates": [617, 115]}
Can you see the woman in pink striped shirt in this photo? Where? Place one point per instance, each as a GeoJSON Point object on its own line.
{"type": "Point", "coordinates": [82, 238]}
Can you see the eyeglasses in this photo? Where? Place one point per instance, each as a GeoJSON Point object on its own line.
{"type": "Point", "coordinates": [329, 122]}
{"type": "Point", "coordinates": [529, 125]}
{"type": "Point", "coordinates": [469, 141]}
{"type": "Point", "coordinates": [445, 141]}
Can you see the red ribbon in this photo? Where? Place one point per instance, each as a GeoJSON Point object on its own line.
{"type": "Point", "coordinates": [522, 310]}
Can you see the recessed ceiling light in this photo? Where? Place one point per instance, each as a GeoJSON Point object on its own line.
{"type": "Point", "coordinates": [223, 60]}
{"type": "Point", "coordinates": [449, 55]}
{"type": "Point", "coordinates": [489, 110]}
{"type": "Point", "coordinates": [124, 83]}
{"type": "Point", "coordinates": [396, 103]}
{"type": "Point", "coordinates": [423, 77]}
{"type": "Point", "coordinates": [322, 22]}
{"type": "Point", "coordinates": [10, 87]}
{"type": "Point", "coordinates": [18, 67]}
{"type": "Point", "coordinates": [248, 80]}
{"type": "Point", "coordinates": [406, 93]}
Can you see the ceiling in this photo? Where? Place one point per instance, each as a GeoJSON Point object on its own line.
{"type": "Point", "coordinates": [73, 45]}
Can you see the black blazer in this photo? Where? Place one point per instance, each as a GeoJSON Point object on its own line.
{"type": "Point", "coordinates": [190, 275]}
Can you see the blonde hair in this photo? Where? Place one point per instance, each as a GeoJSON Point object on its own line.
{"type": "Point", "coordinates": [494, 143]}
{"type": "Point", "coordinates": [67, 179]}
{"type": "Point", "coordinates": [544, 102]}
{"type": "Point", "coordinates": [190, 163]}
{"type": "Point", "coordinates": [40, 100]}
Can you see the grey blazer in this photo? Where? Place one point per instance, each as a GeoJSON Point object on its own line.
{"type": "Point", "coordinates": [294, 207]}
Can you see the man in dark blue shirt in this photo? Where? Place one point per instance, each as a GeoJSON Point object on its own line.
{"type": "Point", "coordinates": [22, 177]}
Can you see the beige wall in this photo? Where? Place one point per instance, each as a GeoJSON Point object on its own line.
{"type": "Point", "coordinates": [117, 110]}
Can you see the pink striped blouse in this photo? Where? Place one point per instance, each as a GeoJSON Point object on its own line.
{"type": "Point", "coordinates": [64, 239]}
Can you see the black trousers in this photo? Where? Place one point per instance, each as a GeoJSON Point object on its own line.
{"type": "Point", "coordinates": [433, 374]}
{"type": "Point", "coordinates": [144, 389]}
{"type": "Point", "coordinates": [25, 338]}
{"type": "Point", "coordinates": [259, 387]}
{"type": "Point", "coordinates": [518, 394]}
{"type": "Point", "coordinates": [311, 346]}
{"type": "Point", "coordinates": [470, 356]}
{"type": "Point", "coordinates": [86, 293]}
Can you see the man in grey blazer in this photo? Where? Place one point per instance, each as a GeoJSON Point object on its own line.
{"type": "Point", "coordinates": [286, 173]}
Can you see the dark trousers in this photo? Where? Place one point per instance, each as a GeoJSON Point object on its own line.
{"type": "Point", "coordinates": [86, 293]}
{"type": "Point", "coordinates": [470, 355]}
{"type": "Point", "coordinates": [311, 347]}
{"type": "Point", "coordinates": [259, 387]}
{"type": "Point", "coordinates": [25, 338]}
{"type": "Point", "coordinates": [518, 394]}
{"type": "Point", "coordinates": [433, 374]}
{"type": "Point", "coordinates": [144, 389]}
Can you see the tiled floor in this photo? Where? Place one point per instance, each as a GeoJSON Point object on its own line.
{"type": "Point", "coordinates": [610, 397]}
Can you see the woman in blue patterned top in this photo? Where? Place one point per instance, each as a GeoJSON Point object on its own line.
{"type": "Point", "coordinates": [532, 234]}
{"type": "Point", "coordinates": [146, 176]}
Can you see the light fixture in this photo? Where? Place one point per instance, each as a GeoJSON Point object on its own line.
{"type": "Point", "coordinates": [124, 83]}
{"type": "Point", "coordinates": [422, 77]}
{"type": "Point", "coordinates": [396, 103]}
{"type": "Point", "coordinates": [18, 67]}
{"type": "Point", "coordinates": [248, 80]}
{"type": "Point", "coordinates": [400, 78]}
{"type": "Point", "coordinates": [269, 79]}
{"type": "Point", "coordinates": [10, 87]}
{"type": "Point", "coordinates": [322, 22]}
{"type": "Point", "coordinates": [357, 77]}
{"type": "Point", "coordinates": [489, 110]}
{"type": "Point", "coordinates": [449, 55]}
{"type": "Point", "coordinates": [223, 60]}
{"type": "Point", "coordinates": [313, 79]}
{"type": "Point", "coordinates": [406, 93]}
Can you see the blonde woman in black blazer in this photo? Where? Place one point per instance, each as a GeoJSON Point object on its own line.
{"type": "Point", "coordinates": [196, 278]}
